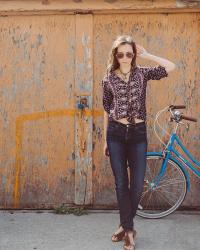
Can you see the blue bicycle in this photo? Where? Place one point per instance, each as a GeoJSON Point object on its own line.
{"type": "Point", "coordinates": [167, 180]}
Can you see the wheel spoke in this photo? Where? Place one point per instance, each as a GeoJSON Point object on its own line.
{"type": "Point", "coordinates": [168, 184]}
{"type": "Point", "coordinates": [165, 198]}
{"type": "Point", "coordinates": [161, 200]}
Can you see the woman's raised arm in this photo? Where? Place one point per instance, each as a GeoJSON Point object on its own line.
{"type": "Point", "coordinates": [169, 66]}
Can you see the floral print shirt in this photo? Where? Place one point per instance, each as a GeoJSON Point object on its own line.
{"type": "Point", "coordinates": [128, 99]}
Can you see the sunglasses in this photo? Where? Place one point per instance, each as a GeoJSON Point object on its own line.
{"type": "Point", "coordinates": [121, 55]}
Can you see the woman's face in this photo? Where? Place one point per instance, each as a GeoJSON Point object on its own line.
{"type": "Point", "coordinates": [125, 54]}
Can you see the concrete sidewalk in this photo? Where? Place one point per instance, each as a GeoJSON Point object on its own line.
{"type": "Point", "coordinates": [44, 230]}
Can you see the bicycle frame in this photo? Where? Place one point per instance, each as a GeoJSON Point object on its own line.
{"type": "Point", "coordinates": [178, 158]}
{"type": "Point", "coordinates": [174, 139]}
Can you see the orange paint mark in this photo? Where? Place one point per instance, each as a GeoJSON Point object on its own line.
{"type": "Point", "coordinates": [18, 138]}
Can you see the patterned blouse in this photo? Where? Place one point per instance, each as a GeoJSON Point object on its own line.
{"type": "Point", "coordinates": [128, 100]}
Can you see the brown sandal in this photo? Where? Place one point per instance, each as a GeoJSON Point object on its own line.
{"type": "Point", "coordinates": [128, 245]}
{"type": "Point", "coordinates": [118, 236]}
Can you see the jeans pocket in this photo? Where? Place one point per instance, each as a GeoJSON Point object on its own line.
{"type": "Point", "coordinates": [112, 126]}
{"type": "Point", "coordinates": [114, 131]}
{"type": "Point", "coordinates": [141, 130]}
{"type": "Point", "coordinates": [141, 133]}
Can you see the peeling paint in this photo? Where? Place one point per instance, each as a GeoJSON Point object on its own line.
{"type": "Point", "coordinates": [19, 135]}
{"type": "Point", "coordinates": [187, 3]}
{"type": "Point", "coordinates": [40, 85]}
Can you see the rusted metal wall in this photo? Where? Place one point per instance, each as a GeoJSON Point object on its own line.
{"type": "Point", "coordinates": [52, 56]}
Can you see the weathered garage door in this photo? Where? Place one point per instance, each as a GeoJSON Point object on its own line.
{"type": "Point", "coordinates": [51, 149]}
{"type": "Point", "coordinates": [37, 110]}
{"type": "Point", "coordinates": [46, 138]}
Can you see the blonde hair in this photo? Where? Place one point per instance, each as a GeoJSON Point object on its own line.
{"type": "Point", "coordinates": [112, 60]}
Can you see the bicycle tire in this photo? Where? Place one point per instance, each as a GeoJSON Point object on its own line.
{"type": "Point", "coordinates": [159, 204]}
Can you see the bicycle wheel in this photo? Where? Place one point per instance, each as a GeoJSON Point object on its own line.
{"type": "Point", "coordinates": [164, 198]}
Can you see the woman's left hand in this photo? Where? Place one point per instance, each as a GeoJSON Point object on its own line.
{"type": "Point", "coordinates": [141, 51]}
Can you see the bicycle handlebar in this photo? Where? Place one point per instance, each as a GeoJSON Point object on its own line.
{"type": "Point", "coordinates": [188, 118]}
{"type": "Point", "coordinates": [177, 116]}
{"type": "Point", "coordinates": [177, 107]}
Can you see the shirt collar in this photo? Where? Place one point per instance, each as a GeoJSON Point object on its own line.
{"type": "Point", "coordinates": [114, 76]}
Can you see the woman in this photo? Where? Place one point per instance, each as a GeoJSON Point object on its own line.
{"type": "Point", "coordinates": [124, 93]}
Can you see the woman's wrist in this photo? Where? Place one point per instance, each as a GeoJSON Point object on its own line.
{"type": "Point", "coordinates": [147, 55]}
{"type": "Point", "coordinates": [169, 66]}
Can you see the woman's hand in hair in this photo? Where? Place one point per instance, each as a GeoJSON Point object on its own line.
{"type": "Point", "coordinates": [141, 51]}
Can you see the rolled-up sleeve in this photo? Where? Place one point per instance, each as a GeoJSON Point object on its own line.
{"type": "Point", "coordinates": [154, 73]}
{"type": "Point", "coordinates": [107, 96]}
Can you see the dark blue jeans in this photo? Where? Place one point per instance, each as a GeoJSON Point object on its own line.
{"type": "Point", "coordinates": [127, 146]}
